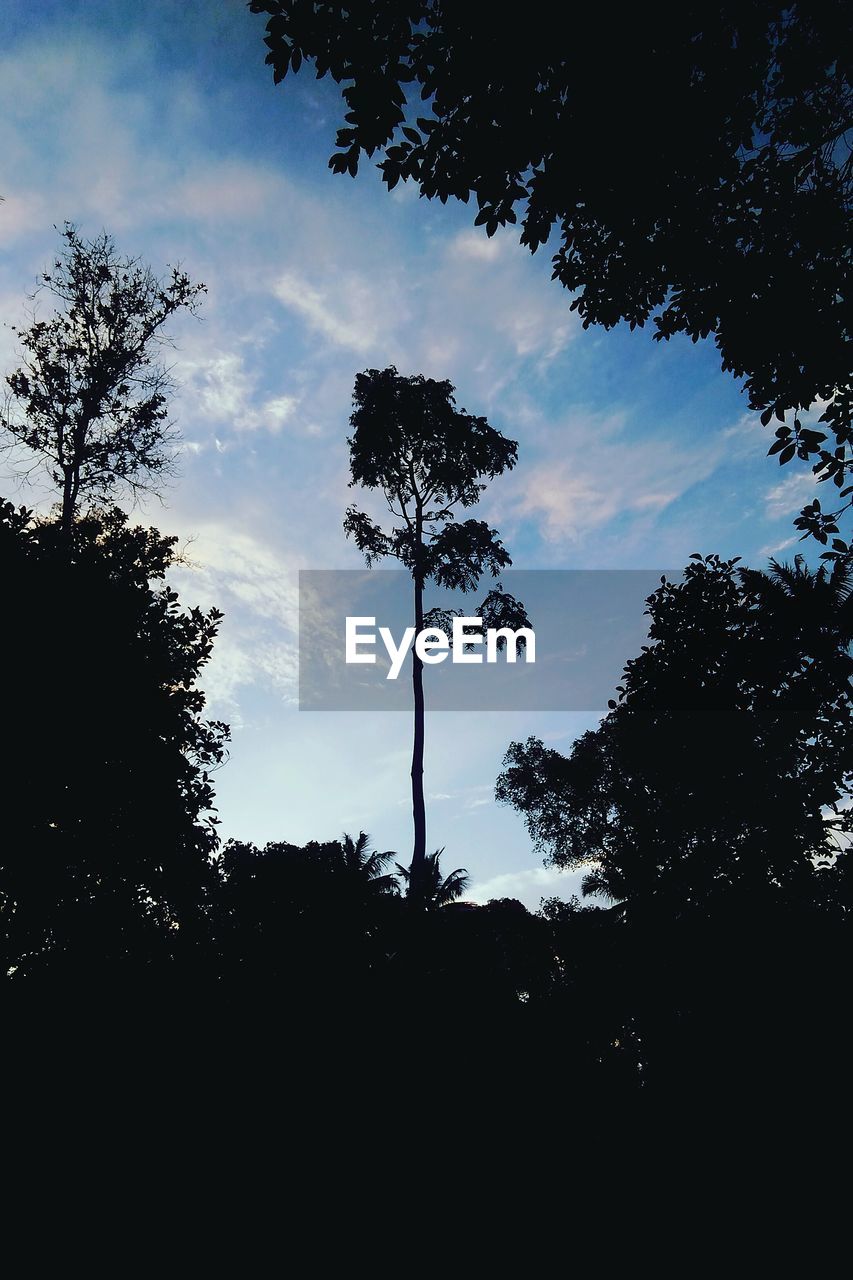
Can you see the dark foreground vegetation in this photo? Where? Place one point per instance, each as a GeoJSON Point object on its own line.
{"type": "Point", "coordinates": [709, 806]}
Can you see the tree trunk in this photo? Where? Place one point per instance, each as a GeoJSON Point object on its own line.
{"type": "Point", "coordinates": [69, 498]}
{"type": "Point", "coordinates": [418, 806]}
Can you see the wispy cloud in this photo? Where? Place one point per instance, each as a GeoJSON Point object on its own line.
{"type": "Point", "coordinates": [595, 469]}
{"type": "Point", "coordinates": [477, 246]}
{"type": "Point", "coordinates": [790, 494]}
{"type": "Point", "coordinates": [220, 389]}
{"type": "Point", "coordinates": [351, 311]}
{"type": "Point", "coordinates": [256, 588]}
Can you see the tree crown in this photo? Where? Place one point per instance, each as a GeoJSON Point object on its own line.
{"type": "Point", "coordinates": [427, 457]}
{"type": "Point", "coordinates": [90, 398]}
{"type": "Point", "coordinates": [725, 761]}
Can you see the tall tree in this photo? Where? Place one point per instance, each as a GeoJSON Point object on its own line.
{"type": "Point", "coordinates": [695, 164]}
{"type": "Point", "coordinates": [427, 458]}
{"type": "Point", "coordinates": [90, 398]}
{"type": "Point", "coordinates": [725, 769]}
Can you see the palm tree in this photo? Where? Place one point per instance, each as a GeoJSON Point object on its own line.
{"type": "Point", "coordinates": [428, 889]}
{"type": "Point", "coordinates": [603, 882]}
{"type": "Point", "coordinates": [823, 596]}
{"type": "Point", "coordinates": [365, 868]}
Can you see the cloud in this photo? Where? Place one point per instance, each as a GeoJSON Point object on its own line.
{"type": "Point", "coordinates": [476, 245]}
{"type": "Point", "coordinates": [773, 548]}
{"type": "Point", "coordinates": [528, 885]}
{"type": "Point", "coordinates": [789, 495]}
{"type": "Point", "coordinates": [256, 588]}
{"type": "Point", "coordinates": [218, 388]}
{"type": "Point", "coordinates": [352, 312]}
{"type": "Point", "coordinates": [228, 191]}
{"type": "Point", "coordinates": [488, 314]}
{"type": "Point", "coordinates": [595, 470]}
{"type": "Point", "coordinates": [279, 410]}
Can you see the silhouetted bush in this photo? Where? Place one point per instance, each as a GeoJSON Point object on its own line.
{"type": "Point", "coordinates": [107, 868]}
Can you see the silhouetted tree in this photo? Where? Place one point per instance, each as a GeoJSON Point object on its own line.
{"type": "Point", "coordinates": [314, 922]}
{"type": "Point", "coordinates": [427, 458]}
{"type": "Point", "coordinates": [427, 888]}
{"type": "Point", "coordinates": [734, 220]}
{"type": "Point", "coordinates": [365, 867]}
{"type": "Point", "coordinates": [108, 825]}
{"type": "Point", "coordinates": [90, 398]}
{"type": "Point", "coordinates": [722, 773]}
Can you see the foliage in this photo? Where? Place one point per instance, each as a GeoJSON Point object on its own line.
{"type": "Point", "coordinates": [429, 888]}
{"type": "Point", "coordinates": [695, 165]}
{"type": "Point", "coordinates": [90, 398]}
{"type": "Point", "coordinates": [109, 825]}
{"type": "Point", "coordinates": [411, 442]}
{"type": "Point", "coordinates": [313, 924]}
{"type": "Point", "coordinates": [725, 767]}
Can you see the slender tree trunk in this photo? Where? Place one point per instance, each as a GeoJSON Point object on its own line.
{"type": "Point", "coordinates": [69, 498]}
{"type": "Point", "coordinates": [418, 806]}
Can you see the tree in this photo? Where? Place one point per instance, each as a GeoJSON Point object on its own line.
{"type": "Point", "coordinates": [428, 888]}
{"type": "Point", "coordinates": [90, 399]}
{"type": "Point", "coordinates": [109, 830]}
{"type": "Point", "coordinates": [364, 867]}
{"type": "Point", "coordinates": [722, 773]}
{"type": "Point", "coordinates": [316, 923]}
{"type": "Point", "coordinates": [411, 443]}
{"type": "Point", "coordinates": [695, 165]}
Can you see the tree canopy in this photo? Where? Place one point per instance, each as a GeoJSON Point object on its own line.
{"type": "Point", "coordinates": [725, 769]}
{"type": "Point", "coordinates": [108, 824]}
{"type": "Point", "coordinates": [694, 163]}
{"type": "Point", "coordinates": [90, 398]}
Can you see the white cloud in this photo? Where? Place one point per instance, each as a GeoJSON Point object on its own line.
{"type": "Point", "coordinates": [477, 245]}
{"type": "Point", "coordinates": [351, 312]}
{"type": "Point", "coordinates": [773, 548]}
{"type": "Point", "coordinates": [279, 410]}
{"type": "Point", "coordinates": [223, 388]}
{"type": "Point", "coordinates": [256, 588]}
{"type": "Point", "coordinates": [594, 471]}
{"type": "Point", "coordinates": [528, 885]}
{"type": "Point", "coordinates": [218, 388]}
{"type": "Point", "coordinates": [226, 192]}
{"type": "Point", "coordinates": [789, 495]}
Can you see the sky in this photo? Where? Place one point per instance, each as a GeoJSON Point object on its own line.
{"type": "Point", "coordinates": [160, 124]}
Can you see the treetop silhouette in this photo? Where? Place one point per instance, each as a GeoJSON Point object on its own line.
{"type": "Point", "coordinates": [695, 165]}
{"type": "Point", "coordinates": [90, 398]}
{"type": "Point", "coordinates": [109, 826]}
{"type": "Point", "coordinates": [432, 890]}
{"type": "Point", "coordinates": [411, 443]}
{"type": "Point", "coordinates": [723, 772]}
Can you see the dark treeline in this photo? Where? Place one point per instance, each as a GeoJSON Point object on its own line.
{"type": "Point", "coordinates": [708, 806]}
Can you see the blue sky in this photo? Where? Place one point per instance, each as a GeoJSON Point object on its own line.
{"type": "Point", "coordinates": [160, 123]}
